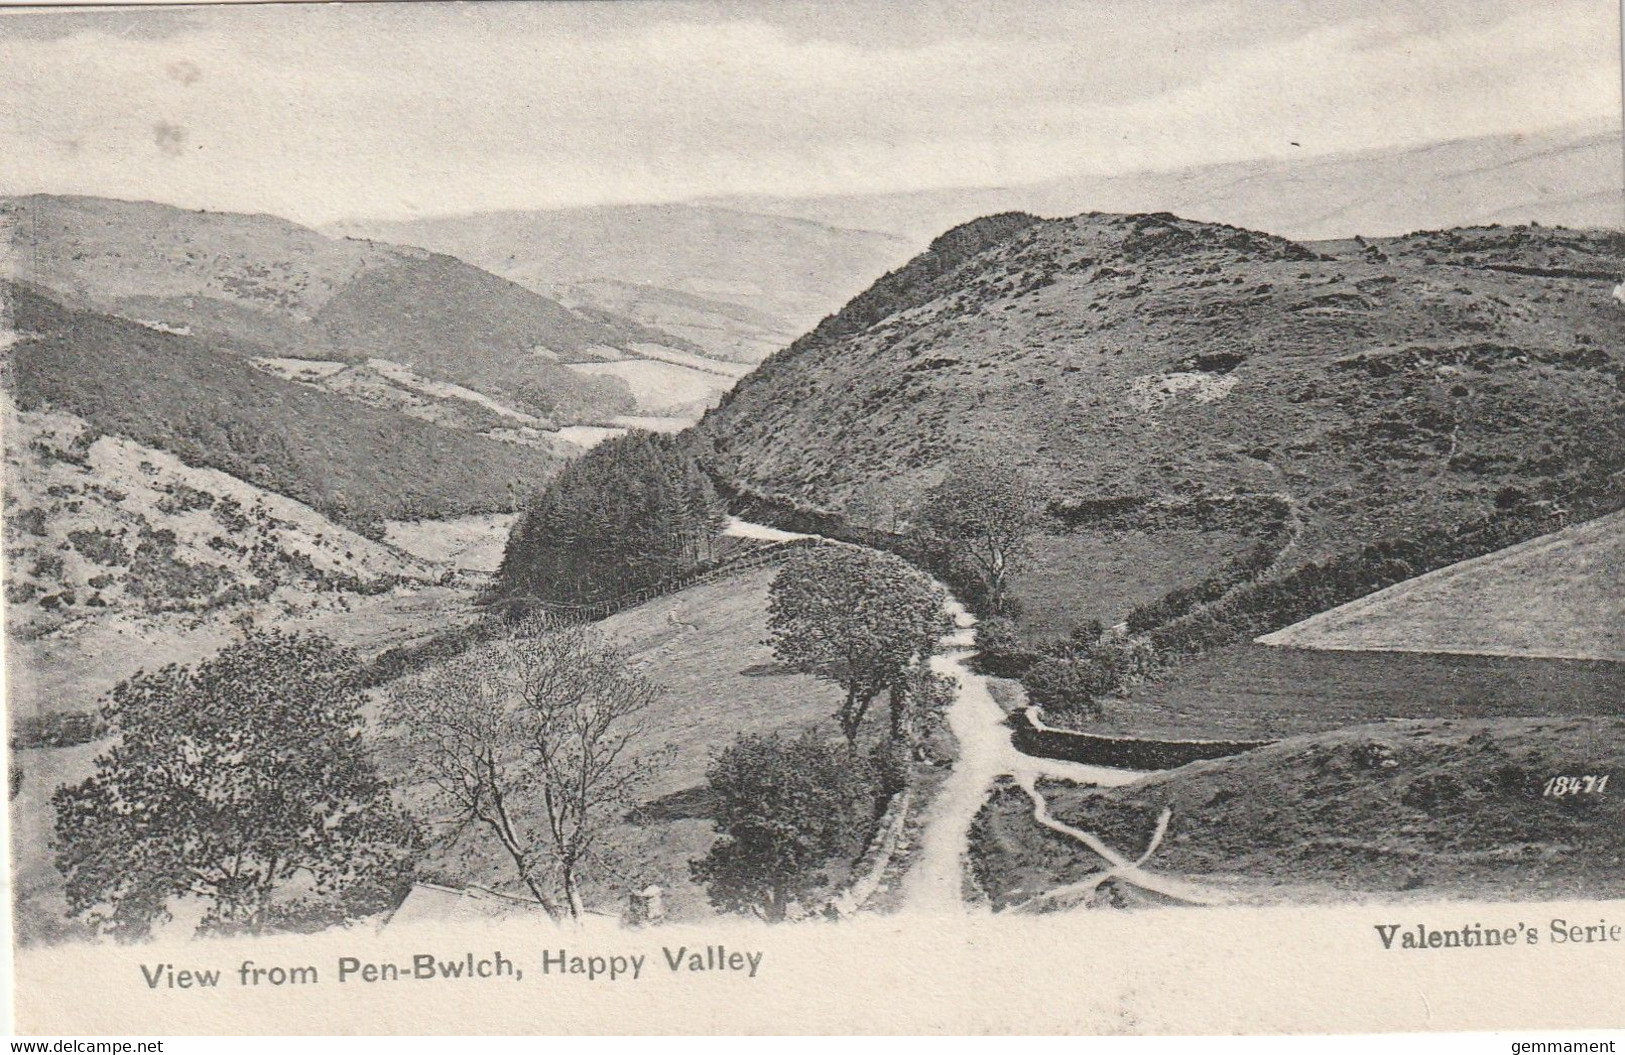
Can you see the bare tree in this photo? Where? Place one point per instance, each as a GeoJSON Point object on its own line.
{"type": "Point", "coordinates": [580, 710]}
{"type": "Point", "coordinates": [530, 740]}
{"type": "Point", "coordinates": [454, 733]}
{"type": "Point", "coordinates": [983, 515]}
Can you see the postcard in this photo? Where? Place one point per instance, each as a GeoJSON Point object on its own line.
{"type": "Point", "coordinates": [953, 517]}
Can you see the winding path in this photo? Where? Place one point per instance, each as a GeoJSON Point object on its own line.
{"type": "Point", "coordinates": [935, 881]}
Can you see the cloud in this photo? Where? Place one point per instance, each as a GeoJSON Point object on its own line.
{"type": "Point", "coordinates": [324, 111]}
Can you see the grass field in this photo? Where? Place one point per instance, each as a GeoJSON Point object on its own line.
{"type": "Point", "coordinates": [1559, 595]}
{"type": "Point", "coordinates": [705, 645]}
{"type": "Point", "coordinates": [1421, 810]}
{"type": "Point", "coordinates": [1257, 691]}
{"type": "Point", "coordinates": [1089, 574]}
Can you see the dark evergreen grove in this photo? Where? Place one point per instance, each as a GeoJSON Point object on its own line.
{"type": "Point", "coordinates": [633, 511]}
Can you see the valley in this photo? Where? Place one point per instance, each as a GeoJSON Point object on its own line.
{"type": "Point", "coordinates": [1356, 499]}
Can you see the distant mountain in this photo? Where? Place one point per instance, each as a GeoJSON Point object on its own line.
{"type": "Point", "coordinates": [357, 464]}
{"type": "Point", "coordinates": [260, 286]}
{"type": "Point", "coordinates": [737, 283]}
{"type": "Point", "coordinates": [1381, 387]}
{"type": "Point", "coordinates": [1571, 176]}
{"type": "Point", "coordinates": [729, 333]}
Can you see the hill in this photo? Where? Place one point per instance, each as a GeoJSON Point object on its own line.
{"type": "Point", "coordinates": [737, 283]}
{"type": "Point", "coordinates": [1569, 175]}
{"type": "Point", "coordinates": [728, 332]}
{"type": "Point", "coordinates": [1561, 595]}
{"type": "Point", "coordinates": [1355, 391]}
{"type": "Point", "coordinates": [355, 463]}
{"type": "Point", "coordinates": [261, 286]}
{"type": "Point", "coordinates": [1419, 810]}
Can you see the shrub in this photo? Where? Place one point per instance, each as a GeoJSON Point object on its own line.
{"type": "Point", "coordinates": [1087, 634]}
{"type": "Point", "coordinates": [31, 520]}
{"type": "Point", "coordinates": [185, 499]}
{"type": "Point", "coordinates": [103, 547]}
{"type": "Point", "coordinates": [57, 729]}
{"type": "Point", "coordinates": [789, 812]}
{"type": "Point", "coordinates": [1064, 684]}
{"type": "Point", "coordinates": [1002, 650]}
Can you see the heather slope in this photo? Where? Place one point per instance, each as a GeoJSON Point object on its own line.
{"type": "Point", "coordinates": [357, 464]}
{"type": "Point", "coordinates": [1377, 388]}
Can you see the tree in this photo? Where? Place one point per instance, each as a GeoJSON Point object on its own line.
{"type": "Point", "coordinates": [856, 617]}
{"type": "Point", "coordinates": [580, 710]}
{"type": "Point", "coordinates": [1074, 679]}
{"type": "Point", "coordinates": [785, 809]}
{"type": "Point", "coordinates": [1066, 684]}
{"type": "Point", "coordinates": [238, 781]}
{"type": "Point", "coordinates": [919, 713]}
{"type": "Point", "coordinates": [1000, 648]}
{"type": "Point", "coordinates": [633, 511]}
{"type": "Point", "coordinates": [983, 515]}
{"type": "Point", "coordinates": [529, 740]}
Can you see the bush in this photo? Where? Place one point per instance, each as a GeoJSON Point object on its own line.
{"type": "Point", "coordinates": [1087, 634]}
{"type": "Point", "coordinates": [103, 547]}
{"type": "Point", "coordinates": [1065, 684]}
{"type": "Point", "coordinates": [1003, 652]}
{"type": "Point", "coordinates": [57, 729]}
{"type": "Point", "coordinates": [790, 813]}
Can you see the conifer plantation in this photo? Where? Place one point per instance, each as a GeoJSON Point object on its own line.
{"type": "Point", "coordinates": [634, 511]}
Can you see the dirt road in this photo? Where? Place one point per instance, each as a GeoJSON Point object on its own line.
{"type": "Point", "coordinates": [935, 883]}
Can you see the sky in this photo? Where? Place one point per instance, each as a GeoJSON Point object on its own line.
{"type": "Point", "coordinates": [324, 112]}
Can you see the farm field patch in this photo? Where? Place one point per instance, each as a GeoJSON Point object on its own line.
{"type": "Point", "coordinates": [1255, 691]}
{"type": "Point", "coordinates": [1560, 595]}
{"type": "Point", "coordinates": [1085, 574]}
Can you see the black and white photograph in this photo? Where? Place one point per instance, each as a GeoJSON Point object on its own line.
{"type": "Point", "coordinates": [616, 467]}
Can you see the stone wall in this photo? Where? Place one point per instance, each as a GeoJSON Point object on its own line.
{"type": "Point", "coordinates": [1033, 737]}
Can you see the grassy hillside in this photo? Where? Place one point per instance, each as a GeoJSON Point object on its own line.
{"type": "Point", "coordinates": [1559, 595]}
{"type": "Point", "coordinates": [98, 525]}
{"type": "Point", "coordinates": [786, 273]}
{"type": "Point", "coordinates": [1376, 389]}
{"type": "Point", "coordinates": [261, 286]}
{"type": "Point", "coordinates": [706, 646]}
{"type": "Point", "coordinates": [357, 464]}
{"type": "Point", "coordinates": [1104, 573]}
{"type": "Point", "coordinates": [449, 321]}
{"type": "Point", "coordinates": [1418, 810]}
